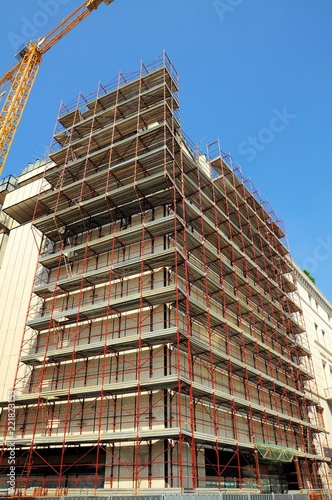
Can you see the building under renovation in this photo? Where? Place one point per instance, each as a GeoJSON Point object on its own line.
{"type": "Point", "coordinates": [163, 348]}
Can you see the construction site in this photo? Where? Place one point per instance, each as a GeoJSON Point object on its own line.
{"type": "Point", "coordinates": [164, 347]}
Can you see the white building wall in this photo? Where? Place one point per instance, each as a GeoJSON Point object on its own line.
{"type": "Point", "coordinates": [18, 260]}
{"type": "Point", "coordinates": [317, 313]}
{"type": "Point", "coordinates": [16, 280]}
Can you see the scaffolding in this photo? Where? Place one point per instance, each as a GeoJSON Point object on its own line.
{"type": "Point", "coordinates": [164, 345]}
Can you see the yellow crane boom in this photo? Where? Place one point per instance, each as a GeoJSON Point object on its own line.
{"type": "Point", "coordinates": [23, 74]}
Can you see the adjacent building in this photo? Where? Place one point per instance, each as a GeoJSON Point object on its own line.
{"type": "Point", "coordinates": [159, 332]}
{"type": "Point", "coordinates": [317, 312]}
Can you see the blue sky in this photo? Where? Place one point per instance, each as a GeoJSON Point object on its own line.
{"type": "Point", "coordinates": [255, 73]}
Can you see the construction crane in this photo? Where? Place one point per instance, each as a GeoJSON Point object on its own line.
{"type": "Point", "coordinates": [23, 74]}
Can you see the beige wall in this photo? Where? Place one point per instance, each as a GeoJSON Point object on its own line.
{"type": "Point", "coordinates": [317, 313]}
{"type": "Point", "coordinates": [16, 279]}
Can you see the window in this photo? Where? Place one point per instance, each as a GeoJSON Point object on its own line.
{"type": "Point", "coordinates": [316, 330]}
{"type": "Point", "coordinates": [323, 337]}
{"type": "Point", "coordinates": [326, 377]}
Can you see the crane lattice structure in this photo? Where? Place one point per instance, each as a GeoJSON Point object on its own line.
{"type": "Point", "coordinates": [22, 75]}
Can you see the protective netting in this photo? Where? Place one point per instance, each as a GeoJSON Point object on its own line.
{"type": "Point", "coordinates": [274, 452]}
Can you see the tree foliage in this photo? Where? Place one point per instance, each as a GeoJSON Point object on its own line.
{"type": "Point", "coordinates": [310, 276]}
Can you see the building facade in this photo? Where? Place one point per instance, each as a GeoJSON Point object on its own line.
{"type": "Point", "coordinates": [317, 312]}
{"type": "Point", "coordinates": [163, 343]}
